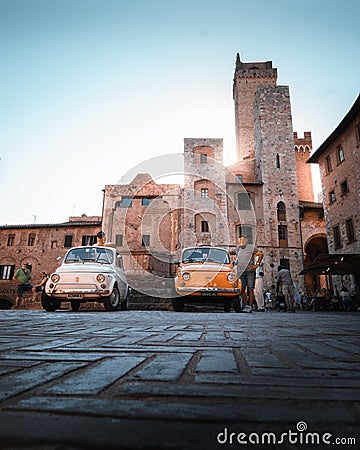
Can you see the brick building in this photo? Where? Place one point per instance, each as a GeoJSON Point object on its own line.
{"type": "Point", "coordinates": [338, 157]}
{"type": "Point", "coordinates": [267, 195]}
{"type": "Point", "coordinates": [40, 246]}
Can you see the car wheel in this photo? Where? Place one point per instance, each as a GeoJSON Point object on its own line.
{"type": "Point", "coordinates": [75, 305]}
{"type": "Point", "coordinates": [112, 302]}
{"type": "Point", "coordinates": [178, 304]}
{"type": "Point", "coordinates": [48, 303]}
{"type": "Point", "coordinates": [125, 303]}
{"type": "Point", "coordinates": [237, 304]}
{"type": "Point", "coordinates": [227, 305]}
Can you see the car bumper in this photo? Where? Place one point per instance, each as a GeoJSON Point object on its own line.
{"type": "Point", "coordinates": [82, 292]}
{"type": "Point", "coordinates": [208, 292]}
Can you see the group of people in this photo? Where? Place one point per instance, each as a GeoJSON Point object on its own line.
{"type": "Point", "coordinates": [23, 277]}
{"type": "Point", "coordinates": [330, 300]}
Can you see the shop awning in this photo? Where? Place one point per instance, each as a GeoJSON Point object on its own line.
{"type": "Point", "coordinates": [339, 264]}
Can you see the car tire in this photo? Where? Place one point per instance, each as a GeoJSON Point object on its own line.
{"type": "Point", "coordinates": [112, 302]}
{"type": "Point", "coordinates": [178, 304]}
{"type": "Point", "coordinates": [75, 305]}
{"type": "Point", "coordinates": [227, 305]}
{"type": "Point", "coordinates": [124, 304]}
{"type": "Point", "coordinates": [237, 304]}
{"type": "Point", "coordinates": [48, 303]}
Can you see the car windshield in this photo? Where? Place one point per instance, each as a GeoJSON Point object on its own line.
{"type": "Point", "coordinates": [92, 254]}
{"type": "Point", "coordinates": [205, 254]}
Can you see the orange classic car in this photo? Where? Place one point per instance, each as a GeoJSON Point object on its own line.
{"type": "Point", "coordinates": [206, 274]}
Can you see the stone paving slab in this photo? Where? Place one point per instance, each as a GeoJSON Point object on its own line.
{"type": "Point", "coordinates": [164, 380]}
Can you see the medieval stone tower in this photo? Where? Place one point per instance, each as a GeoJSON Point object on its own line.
{"type": "Point", "coordinates": [271, 167]}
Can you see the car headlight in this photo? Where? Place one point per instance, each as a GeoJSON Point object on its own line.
{"type": "Point", "coordinates": [186, 276]}
{"type": "Point", "coordinates": [231, 277]}
{"type": "Point", "coordinates": [100, 278]}
{"type": "Point", "coordinates": [55, 277]}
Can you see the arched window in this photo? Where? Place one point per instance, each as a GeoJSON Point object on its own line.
{"type": "Point", "coordinates": [277, 161]}
{"type": "Point", "coordinates": [281, 211]}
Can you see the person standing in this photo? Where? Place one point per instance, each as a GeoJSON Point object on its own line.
{"type": "Point", "coordinates": [259, 287]}
{"type": "Point", "coordinates": [40, 287]}
{"type": "Point", "coordinates": [285, 280]}
{"type": "Point", "coordinates": [22, 276]}
{"type": "Point", "coordinates": [248, 280]}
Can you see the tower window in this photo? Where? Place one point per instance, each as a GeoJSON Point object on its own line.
{"type": "Point", "coordinates": [68, 241]}
{"type": "Point", "coordinates": [344, 187]}
{"type": "Point", "coordinates": [283, 236]}
{"type": "Point", "coordinates": [340, 154]}
{"type": "Point", "coordinates": [31, 239]}
{"type": "Point", "coordinates": [337, 237]}
{"type": "Point", "coordinates": [281, 211]}
{"type": "Point", "coordinates": [125, 202]}
{"type": "Point", "coordinates": [246, 231]}
{"type": "Point", "coordinates": [328, 167]}
{"type": "Point", "coordinates": [145, 240]}
{"type": "Point", "coordinates": [119, 240]}
{"type": "Point", "coordinates": [332, 197]}
{"type": "Point", "coordinates": [277, 161]}
{"type": "Point", "coordinates": [203, 159]}
{"type": "Point", "coordinates": [244, 202]}
{"type": "Point", "coordinates": [11, 240]}
{"type": "Point", "coordinates": [145, 201]}
{"type": "Point", "coordinates": [350, 230]}
{"type": "Point", "coordinates": [204, 226]}
{"type": "Point", "coordinates": [239, 178]}
{"type": "Point", "coordinates": [204, 193]}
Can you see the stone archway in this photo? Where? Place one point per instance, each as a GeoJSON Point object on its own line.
{"type": "Point", "coordinates": [315, 246]}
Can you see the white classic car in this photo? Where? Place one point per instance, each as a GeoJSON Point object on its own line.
{"type": "Point", "coordinates": [88, 274]}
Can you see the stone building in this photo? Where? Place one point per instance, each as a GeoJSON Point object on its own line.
{"type": "Point", "coordinates": [272, 167]}
{"type": "Point", "coordinates": [40, 246]}
{"type": "Point", "coordinates": [338, 157]}
{"type": "Point", "coordinates": [266, 196]}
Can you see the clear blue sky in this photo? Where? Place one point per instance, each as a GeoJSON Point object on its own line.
{"type": "Point", "coordinates": [90, 88]}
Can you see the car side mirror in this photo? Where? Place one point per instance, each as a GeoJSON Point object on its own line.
{"type": "Point", "coordinates": [59, 258]}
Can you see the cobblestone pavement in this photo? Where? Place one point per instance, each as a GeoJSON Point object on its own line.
{"type": "Point", "coordinates": [165, 380]}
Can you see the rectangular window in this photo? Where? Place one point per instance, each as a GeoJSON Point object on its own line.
{"type": "Point", "coordinates": [88, 240]}
{"type": "Point", "coordinates": [328, 167]}
{"type": "Point", "coordinates": [247, 232]}
{"type": "Point", "coordinates": [350, 230]}
{"type": "Point", "coordinates": [31, 239]}
{"type": "Point", "coordinates": [340, 154]}
{"type": "Point", "coordinates": [357, 133]}
{"type": "Point", "coordinates": [11, 240]}
{"type": "Point", "coordinates": [54, 244]}
{"type": "Point", "coordinates": [332, 197]}
{"type": "Point", "coordinates": [239, 178]}
{"type": "Point", "coordinates": [244, 201]}
{"type": "Point", "coordinates": [68, 241]}
{"type": "Point", "coordinates": [7, 272]}
{"type": "Point", "coordinates": [283, 236]}
{"type": "Point", "coordinates": [119, 238]}
{"type": "Point", "coordinates": [145, 202]}
{"type": "Point", "coordinates": [145, 240]}
{"type": "Point", "coordinates": [204, 193]}
{"type": "Point", "coordinates": [125, 202]}
{"type": "Point", "coordinates": [337, 237]}
{"type": "Point", "coordinates": [203, 159]}
{"type": "Point", "coordinates": [344, 187]}
{"type": "Point", "coordinates": [204, 226]}
{"type": "Point", "coordinates": [285, 263]}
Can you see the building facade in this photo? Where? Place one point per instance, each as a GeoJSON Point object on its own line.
{"type": "Point", "coordinates": [40, 246]}
{"type": "Point", "coordinates": [338, 158]}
